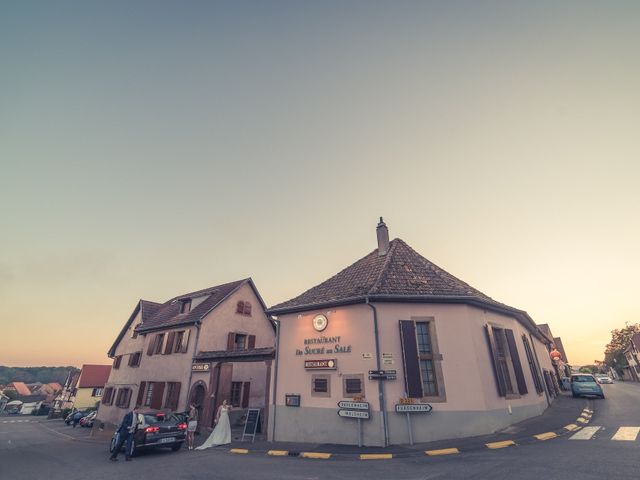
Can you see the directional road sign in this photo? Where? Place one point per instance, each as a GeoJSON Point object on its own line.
{"type": "Point", "coordinates": [359, 414]}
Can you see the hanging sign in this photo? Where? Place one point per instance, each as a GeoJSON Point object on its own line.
{"type": "Point", "coordinates": [326, 364]}
{"type": "Point", "coordinates": [200, 367]}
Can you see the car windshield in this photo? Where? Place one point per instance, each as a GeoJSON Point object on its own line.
{"type": "Point", "coordinates": [582, 379]}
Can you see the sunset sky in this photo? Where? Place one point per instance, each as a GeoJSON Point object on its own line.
{"type": "Point", "coordinates": [149, 149]}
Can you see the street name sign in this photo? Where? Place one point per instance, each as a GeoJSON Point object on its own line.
{"type": "Point", "coordinates": [359, 414]}
{"type": "Point", "coordinates": [348, 405]}
{"type": "Point", "coordinates": [382, 374]}
{"type": "Point", "coordinates": [413, 408]}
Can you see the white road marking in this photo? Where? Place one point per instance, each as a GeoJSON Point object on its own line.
{"type": "Point", "coordinates": [628, 434]}
{"type": "Point", "coordinates": [585, 434]}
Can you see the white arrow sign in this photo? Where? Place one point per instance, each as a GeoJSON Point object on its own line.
{"type": "Point", "coordinates": [363, 414]}
{"type": "Point", "coordinates": [413, 408]}
{"type": "Point", "coordinates": [353, 405]}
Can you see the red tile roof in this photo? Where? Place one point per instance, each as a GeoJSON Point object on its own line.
{"type": "Point", "coordinates": [21, 388]}
{"type": "Point", "coordinates": [93, 376]}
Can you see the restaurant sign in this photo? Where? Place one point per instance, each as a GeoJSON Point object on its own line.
{"type": "Point", "coordinates": [200, 367]}
{"type": "Point", "coordinates": [327, 364]}
{"type": "Point", "coordinates": [323, 346]}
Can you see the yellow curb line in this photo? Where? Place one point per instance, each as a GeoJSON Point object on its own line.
{"type": "Point", "coordinates": [239, 450]}
{"type": "Point", "coordinates": [376, 456]}
{"type": "Point", "coordinates": [495, 445]}
{"type": "Point", "coordinates": [546, 436]}
{"type": "Point", "coordinates": [444, 451]}
{"type": "Point", "coordinates": [571, 427]}
{"type": "Point", "coordinates": [278, 453]}
{"type": "Point", "coordinates": [323, 456]}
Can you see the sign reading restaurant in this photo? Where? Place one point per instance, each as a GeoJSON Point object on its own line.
{"type": "Point", "coordinates": [323, 346]}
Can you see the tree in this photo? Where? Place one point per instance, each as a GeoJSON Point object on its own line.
{"type": "Point", "coordinates": [593, 369]}
{"type": "Point", "coordinates": [614, 351]}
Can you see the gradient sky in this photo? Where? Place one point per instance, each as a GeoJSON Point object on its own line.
{"type": "Point", "coordinates": [149, 149]}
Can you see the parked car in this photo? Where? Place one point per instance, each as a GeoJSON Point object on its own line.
{"type": "Point", "coordinates": [585, 384]}
{"type": "Point", "coordinates": [156, 430]}
{"type": "Point", "coordinates": [602, 378]}
{"type": "Point", "coordinates": [87, 421]}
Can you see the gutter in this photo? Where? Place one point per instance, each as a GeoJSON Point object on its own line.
{"type": "Point", "coordinates": [381, 396]}
{"type": "Point", "coordinates": [275, 381]}
{"type": "Point", "coordinates": [195, 349]}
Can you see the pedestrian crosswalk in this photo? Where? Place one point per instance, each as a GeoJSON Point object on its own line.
{"type": "Point", "coordinates": [15, 421]}
{"type": "Point", "coordinates": [621, 434]}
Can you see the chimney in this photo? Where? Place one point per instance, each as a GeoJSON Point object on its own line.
{"type": "Point", "coordinates": [383, 238]}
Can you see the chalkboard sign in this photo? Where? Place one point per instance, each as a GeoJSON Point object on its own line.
{"type": "Point", "coordinates": [252, 424]}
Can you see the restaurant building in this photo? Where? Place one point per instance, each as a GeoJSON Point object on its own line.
{"type": "Point", "coordinates": [201, 347]}
{"type": "Point", "coordinates": [394, 329]}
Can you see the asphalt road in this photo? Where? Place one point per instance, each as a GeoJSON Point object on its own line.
{"type": "Point", "coordinates": [50, 450]}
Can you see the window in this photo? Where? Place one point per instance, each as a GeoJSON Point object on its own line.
{"type": "Point", "coordinates": [243, 308]}
{"type": "Point", "coordinates": [240, 342]}
{"type": "Point", "coordinates": [116, 362]}
{"type": "Point", "coordinates": [421, 360]}
{"type": "Point", "coordinates": [159, 341]}
{"type": "Point", "coordinates": [181, 341]}
{"type": "Point", "coordinates": [96, 392]}
{"type": "Point", "coordinates": [149, 394]}
{"type": "Point", "coordinates": [168, 347]}
{"type": "Point", "coordinates": [173, 394]}
{"type": "Point", "coordinates": [320, 385]}
{"type": "Point", "coordinates": [107, 396]}
{"type": "Point", "coordinates": [185, 305]}
{"type": "Point", "coordinates": [352, 386]}
{"type": "Point", "coordinates": [134, 359]}
{"type": "Point", "coordinates": [502, 360]}
{"type": "Point", "coordinates": [506, 362]}
{"type": "Point", "coordinates": [236, 393]}
{"type": "Point", "coordinates": [123, 398]}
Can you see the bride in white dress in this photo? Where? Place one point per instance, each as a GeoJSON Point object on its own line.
{"type": "Point", "coordinates": [221, 434]}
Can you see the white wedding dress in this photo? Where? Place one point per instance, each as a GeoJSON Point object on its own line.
{"type": "Point", "coordinates": [221, 435]}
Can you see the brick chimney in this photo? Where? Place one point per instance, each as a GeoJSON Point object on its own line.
{"type": "Point", "coordinates": [383, 238]}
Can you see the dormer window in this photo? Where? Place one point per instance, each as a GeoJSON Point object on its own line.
{"type": "Point", "coordinates": [185, 305]}
{"type": "Point", "coordinates": [244, 308]}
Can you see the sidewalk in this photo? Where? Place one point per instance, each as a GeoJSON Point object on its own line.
{"type": "Point", "coordinates": [564, 411]}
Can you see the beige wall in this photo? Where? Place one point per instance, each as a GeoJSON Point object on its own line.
{"type": "Point", "coordinates": [84, 399]}
{"type": "Point", "coordinates": [469, 379]}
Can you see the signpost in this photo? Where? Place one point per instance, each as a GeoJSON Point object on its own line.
{"type": "Point", "coordinates": [408, 409]}
{"type": "Point", "coordinates": [251, 425]}
{"type": "Point", "coordinates": [357, 410]}
{"type": "Point", "coordinates": [382, 374]}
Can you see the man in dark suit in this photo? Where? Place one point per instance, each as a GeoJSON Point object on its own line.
{"type": "Point", "coordinates": [126, 431]}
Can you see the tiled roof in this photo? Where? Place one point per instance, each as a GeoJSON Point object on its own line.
{"type": "Point", "coordinates": [402, 272]}
{"type": "Point", "coordinates": [560, 347]}
{"type": "Point", "coordinates": [93, 376]}
{"type": "Point", "coordinates": [168, 314]}
{"type": "Point", "coordinates": [21, 388]}
{"type": "Point", "coordinates": [268, 352]}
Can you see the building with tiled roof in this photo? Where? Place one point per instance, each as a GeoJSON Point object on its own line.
{"type": "Point", "coordinates": [20, 388]}
{"type": "Point", "coordinates": [394, 328]}
{"type": "Point", "coordinates": [199, 347]}
{"type": "Point", "coordinates": [90, 386]}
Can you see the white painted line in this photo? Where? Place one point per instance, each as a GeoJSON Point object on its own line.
{"type": "Point", "coordinates": [585, 434]}
{"type": "Point", "coordinates": [628, 434]}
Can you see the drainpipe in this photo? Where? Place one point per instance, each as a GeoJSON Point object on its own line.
{"type": "Point", "coordinates": [544, 383]}
{"type": "Point", "coordinates": [195, 350]}
{"type": "Point", "coordinates": [275, 380]}
{"type": "Point", "coordinates": [383, 409]}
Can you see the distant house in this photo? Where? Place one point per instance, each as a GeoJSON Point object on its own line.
{"type": "Point", "coordinates": [3, 401]}
{"type": "Point", "coordinates": [90, 385]}
{"type": "Point", "coordinates": [66, 396]}
{"type": "Point", "coordinates": [20, 388]}
{"type": "Point", "coordinates": [632, 354]}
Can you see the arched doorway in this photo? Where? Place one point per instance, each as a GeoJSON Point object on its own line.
{"type": "Point", "coordinates": [197, 398]}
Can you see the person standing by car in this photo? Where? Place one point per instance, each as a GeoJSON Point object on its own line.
{"type": "Point", "coordinates": [76, 418]}
{"type": "Point", "coordinates": [126, 432]}
{"type": "Point", "coordinates": [192, 425]}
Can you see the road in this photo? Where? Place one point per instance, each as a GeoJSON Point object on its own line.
{"type": "Point", "coordinates": [51, 450]}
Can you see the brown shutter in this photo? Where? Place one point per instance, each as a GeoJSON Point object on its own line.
{"type": "Point", "coordinates": [185, 341]}
{"type": "Point", "coordinates": [127, 398]}
{"type": "Point", "coordinates": [515, 360]}
{"type": "Point", "coordinates": [141, 390]}
{"type": "Point", "coordinates": [412, 379]}
{"type": "Point", "coordinates": [231, 341]}
{"type": "Point", "coordinates": [156, 396]}
{"type": "Point", "coordinates": [176, 396]}
{"type": "Point", "coordinates": [152, 344]}
{"type": "Point", "coordinates": [246, 389]}
{"type": "Point", "coordinates": [494, 361]}
{"type": "Point", "coordinates": [252, 342]}
{"type": "Point", "coordinates": [169, 346]}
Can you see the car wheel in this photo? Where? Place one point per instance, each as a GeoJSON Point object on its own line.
{"type": "Point", "coordinates": [602, 396]}
{"type": "Point", "coordinates": [175, 448]}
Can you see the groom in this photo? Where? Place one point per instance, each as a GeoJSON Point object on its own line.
{"type": "Point", "coordinates": [126, 432]}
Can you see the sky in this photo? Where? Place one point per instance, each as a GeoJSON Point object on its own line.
{"type": "Point", "coordinates": [149, 149]}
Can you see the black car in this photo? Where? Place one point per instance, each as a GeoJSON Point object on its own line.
{"type": "Point", "coordinates": [155, 429]}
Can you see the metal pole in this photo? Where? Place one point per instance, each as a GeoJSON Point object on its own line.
{"type": "Point", "coordinates": [409, 428]}
{"type": "Point", "coordinates": [360, 433]}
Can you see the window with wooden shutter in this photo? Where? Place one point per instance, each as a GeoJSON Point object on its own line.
{"type": "Point", "coordinates": [159, 343]}
{"type": "Point", "coordinates": [185, 341]}
{"type": "Point", "coordinates": [231, 341]}
{"type": "Point", "coordinates": [148, 394]}
{"type": "Point", "coordinates": [246, 393]}
{"type": "Point", "coordinates": [412, 380]}
{"type": "Point", "coordinates": [515, 361]}
{"type": "Point", "coordinates": [532, 365]}
{"type": "Point", "coordinates": [240, 307]}
{"type": "Point", "coordinates": [106, 397]}
{"type": "Point", "coordinates": [168, 348]}
{"type": "Point", "coordinates": [503, 363]}
{"type": "Point", "coordinates": [141, 391]}
{"type": "Point", "coordinates": [178, 342]}
{"type": "Point", "coordinates": [173, 393]}
{"type": "Point", "coordinates": [134, 359]}
{"type": "Point", "coordinates": [236, 393]}
{"type": "Point", "coordinates": [158, 394]}
{"type": "Point", "coordinates": [152, 345]}
{"type": "Point", "coordinates": [240, 342]}
{"type": "Point", "coordinates": [251, 342]}
{"type": "Point", "coordinates": [117, 361]}
{"type": "Point", "coordinates": [247, 309]}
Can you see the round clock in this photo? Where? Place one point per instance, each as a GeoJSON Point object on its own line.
{"type": "Point", "coordinates": [320, 322]}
